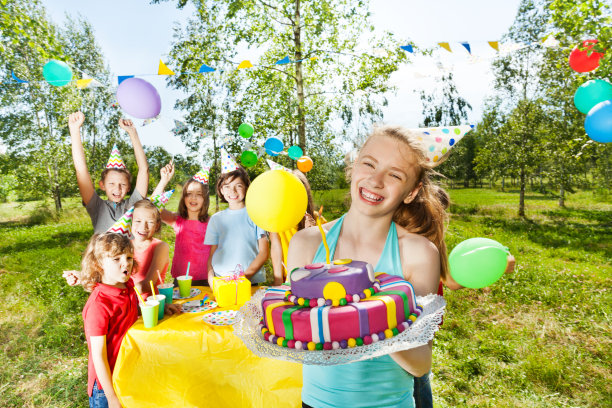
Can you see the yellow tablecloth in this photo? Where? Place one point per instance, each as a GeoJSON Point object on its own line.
{"type": "Point", "coordinates": [185, 362]}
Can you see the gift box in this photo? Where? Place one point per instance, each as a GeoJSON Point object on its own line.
{"type": "Point", "coordinates": [232, 290]}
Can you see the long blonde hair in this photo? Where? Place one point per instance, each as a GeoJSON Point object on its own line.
{"type": "Point", "coordinates": [426, 214]}
{"type": "Point", "coordinates": [101, 245]}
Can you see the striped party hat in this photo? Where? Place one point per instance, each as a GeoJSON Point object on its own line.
{"type": "Point", "coordinates": [160, 200]}
{"type": "Point", "coordinates": [276, 166]}
{"type": "Point", "coordinates": [115, 161]}
{"type": "Point", "coordinates": [437, 142]}
{"type": "Point", "coordinates": [228, 164]}
{"type": "Point", "coordinates": [202, 175]}
{"type": "Point", "coordinates": [123, 226]}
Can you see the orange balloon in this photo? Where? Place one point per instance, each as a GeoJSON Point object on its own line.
{"type": "Point", "coordinates": [304, 164]}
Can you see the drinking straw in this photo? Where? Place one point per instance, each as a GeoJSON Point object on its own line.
{"type": "Point", "coordinates": [285, 266]}
{"type": "Point", "coordinates": [204, 300]}
{"type": "Point", "coordinates": [139, 296]}
{"type": "Point", "coordinates": [188, 265]}
{"type": "Point", "coordinates": [323, 235]}
{"type": "Point", "coordinates": [160, 279]}
{"type": "Point", "coordinates": [152, 288]}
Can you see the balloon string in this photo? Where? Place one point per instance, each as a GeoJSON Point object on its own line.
{"type": "Point", "coordinates": [323, 236]}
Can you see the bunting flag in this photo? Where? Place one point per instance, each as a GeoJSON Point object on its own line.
{"type": "Point", "coordinates": [380, 53]}
{"type": "Point", "coordinates": [122, 78]}
{"type": "Point", "coordinates": [467, 46]}
{"type": "Point", "coordinates": [123, 226]}
{"type": "Point", "coordinates": [438, 141]}
{"type": "Point", "coordinates": [228, 164]}
{"type": "Point", "coordinates": [160, 200]}
{"type": "Point", "coordinates": [494, 45]}
{"type": "Point", "coordinates": [245, 64]}
{"type": "Point", "coordinates": [407, 48]}
{"type": "Point", "coordinates": [83, 83]}
{"type": "Point", "coordinates": [283, 61]}
{"type": "Point", "coordinates": [115, 161]}
{"type": "Point", "coordinates": [149, 121]}
{"type": "Point", "coordinates": [202, 175]}
{"type": "Point", "coordinates": [114, 103]}
{"type": "Point", "coordinates": [550, 42]}
{"type": "Point", "coordinates": [276, 166]}
{"type": "Point", "coordinates": [179, 127]}
{"type": "Point", "coordinates": [445, 45]}
{"type": "Point", "coordinates": [19, 81]}
{"type": "Point", "coordinates": [205, 68]}
{"type": "Point", "coordinates": [163, 69]}
{"type": "Point", "coordinates": [314, 58]}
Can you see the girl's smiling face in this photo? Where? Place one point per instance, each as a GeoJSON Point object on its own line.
{"type": "Point", "coordinates": [234, 191]}
{"type": "Point", "coordinates": [383, 176]}
{"type": "Point", "coordinates": [144, 223]}
{"type": "Point", "coordinates": [117, 269]}
{"type": "Point", "coordinates": [194, 197]}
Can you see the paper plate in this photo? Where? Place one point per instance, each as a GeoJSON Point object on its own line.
{"type": "Point", "coordinates": [196, 306]}
{"type": "Point", "coordinates": [194, 292]}
{"type": "Point", "coordinates": [221, 318]}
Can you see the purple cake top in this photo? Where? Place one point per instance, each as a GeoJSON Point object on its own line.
{"type": "Point", "coordinates": [347, 277]}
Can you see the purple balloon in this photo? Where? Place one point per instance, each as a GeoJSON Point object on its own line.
{"type": "Point", "coordinates": [138, 98]}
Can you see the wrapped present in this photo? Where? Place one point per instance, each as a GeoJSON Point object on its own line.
{"type": "Point", "coordinates": [232, 290]}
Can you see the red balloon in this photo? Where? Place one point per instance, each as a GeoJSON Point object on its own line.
{"type": "Point", "coordinates": [581, 61]}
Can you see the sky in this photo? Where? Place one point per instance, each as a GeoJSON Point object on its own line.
{"type": "Point", "coordinates": [134, 35]}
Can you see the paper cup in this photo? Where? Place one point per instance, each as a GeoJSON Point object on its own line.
{"type": "Point", "coordinates": [149, 313]}
{"type": "Point", "coordinates": [162, 302]}
{"type": "Point", "coordinates": [166, 289]}
{"type": "Point", "coordinates": [184, 284]}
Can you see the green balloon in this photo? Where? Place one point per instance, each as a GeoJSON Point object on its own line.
{"type": "Point", "coordinates": [248, 158]}
{"type": "Point", "coordinates": [295, 152]}
{"type": "Point", "coordinates": [57, 73]}
{"type": "Point", "coordinates": [477, 262]}
{"type": "Point", "coordinates": [246, 130]}
{"type": "Point", "coordinates": [591, 93]}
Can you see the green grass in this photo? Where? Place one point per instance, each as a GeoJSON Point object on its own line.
{"type": "Point", "coordinates": [540, 337]}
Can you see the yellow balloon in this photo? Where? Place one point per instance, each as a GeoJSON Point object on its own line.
{"type": "Point", "coordinates": [276, 201]}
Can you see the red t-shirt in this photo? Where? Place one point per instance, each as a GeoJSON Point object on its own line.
{"type": "Point", "coordinates": [109, 312]}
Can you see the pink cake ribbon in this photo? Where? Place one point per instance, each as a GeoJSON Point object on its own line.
{"type": "Point", "coordinates": [235, 277]}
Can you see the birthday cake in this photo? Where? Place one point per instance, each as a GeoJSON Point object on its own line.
{"type": "Point", "coordinates": [338, 305]}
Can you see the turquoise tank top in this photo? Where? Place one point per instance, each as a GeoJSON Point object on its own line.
{"type": "Point", "coordinates": [378, 382]}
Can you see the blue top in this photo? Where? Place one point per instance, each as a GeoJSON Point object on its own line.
{"type": "Point", "coordinates": [237, 238]}
{"type": "Point", "coordinates": [378, 382]}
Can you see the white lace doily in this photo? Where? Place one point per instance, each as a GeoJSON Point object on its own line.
{"type": "Point", "coordinates": [246, 327]}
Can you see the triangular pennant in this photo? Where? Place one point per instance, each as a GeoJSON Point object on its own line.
{"type": "Point", "coordinates": [445, 45]}
{"type": "Point", "coordinates": [115, 161]}
{"type": "Point", "coordinates": [205, 68]}
{"type": "Point", "coordinates": [276, 166]}
{"type": "Point", "coordinates": [19, 81]}
{"type": "Point", "coordinates": [160, 200]}
{"type": "Point", "coordinates": [179, 127]}
{"type": "Point", "coordinates": [122, 78]}
{"type": "Point", "coordinates": [228, 164]}
{"type": "Point", "coordinates": [437, 142]}
{"type": "Point", "coordinates": [149, 121]}
{"type": "Point", "coordinates": [467, 46]}
{"type": "Point", "coordinates": [83, 83]}
{"type": "Point", "coordinates": [314, 58]}
{"type": "Point", "coordinates": [245, 64]}
{"type": "Point", "coordinates": [163, 69]}
{"type": "Point", "coordinates": [494, 45]}
{"type": "Point", "coordinates": [380, 52]}
{"type": "Point", "coordinates": [202, 175]}
{"type": "Point", "coordinates": [283, 61]}
{"type": "Point", "coordinates": [550, 42]}
{"type": "Point", "coordinates": [123, 225]}
{"type": "Point", "coordinates": [407, 48]}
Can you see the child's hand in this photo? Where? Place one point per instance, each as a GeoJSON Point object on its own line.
{"type": "Point", "coordinates": [510, 264]}
{"type": "Point", "coordinates": [72, 277]}
{"type": "Point", "coordinates": [113, 402]}
{"type": "Point", "coordinates": [75, 120]}
{"type": "Point", "coordinates": [127, 125]}
{"type": "Point", "coordinates": [167, 172]}
{"type": "Point", "coordinates": [173, 309]}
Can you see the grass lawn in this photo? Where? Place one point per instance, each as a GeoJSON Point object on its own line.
{"type": "Point", "coordinates": [540, 337]}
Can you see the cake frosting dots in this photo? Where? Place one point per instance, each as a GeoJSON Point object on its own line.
{"type": "Point", "coordinates": [338, 305]}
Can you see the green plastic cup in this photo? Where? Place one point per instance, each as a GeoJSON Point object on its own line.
{"type": "Point", "coordinates": [184, 284]}
{"type": "Point", "coordinates": [162, 302]}
{"type": "Point", "coordinates": [167, 290]}
{"type": "Point", "coordinates": [149, 313]}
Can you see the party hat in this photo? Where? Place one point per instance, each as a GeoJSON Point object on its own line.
{"type": "Point", "coordinates": [123, 225]}
{"type": "Point", "coordinates": [202, 175]}
{"type": "Point", "coordinates": [437, 142]}
{"type": "Point", "coordinates": [160, 200]}
{"type": "Point", "coordinates": [228, 164]}
{"type": "Point", "coordinates": [276, 166]}
{"type": "Point", "coordinates": [115, 161]}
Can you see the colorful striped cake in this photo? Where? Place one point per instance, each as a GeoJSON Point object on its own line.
{"type": "Point", "coordinates": [327, 307]}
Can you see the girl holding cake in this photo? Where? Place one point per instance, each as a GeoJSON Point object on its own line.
{"type": "Point", "coordinates": [396, 222]}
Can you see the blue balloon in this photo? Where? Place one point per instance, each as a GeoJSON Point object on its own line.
{"type": "Point", "coordinates": [598, 123]}
{"type": "Point", "coordinates": [274, 146]}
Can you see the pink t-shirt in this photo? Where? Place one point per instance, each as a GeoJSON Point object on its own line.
{"type": "Point", "coordinates": [189, 247]}
{"type": "Point", "coordinates": [144, 259]}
